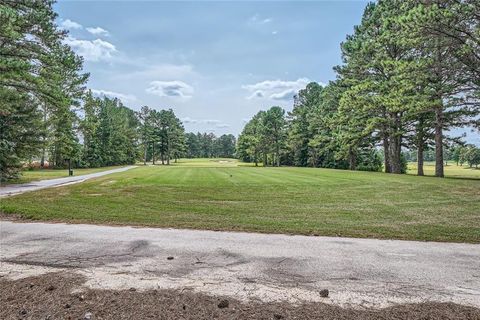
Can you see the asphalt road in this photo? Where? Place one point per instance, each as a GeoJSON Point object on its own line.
{"type": "Point", "coordinates": [14, 189]}
{"type": "Point", "coordinates": [358, 272]}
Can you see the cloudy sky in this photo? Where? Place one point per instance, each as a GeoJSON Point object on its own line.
{"type": "Point", "coordinates": [214, 63]}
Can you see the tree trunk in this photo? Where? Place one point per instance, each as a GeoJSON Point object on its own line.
{"type": "Point", "coordinates": [352, 159]}
{"type": "Point", "coordinates": [386, 148]}
{"type": "Point", "coordinates": [145, 154]}
{"type": "Point", "coordinates": [439, 142]}
{"type": "Point", "coordinates": [265, 164]}
{"type": "Point", "coordinates": [44, 140]}
{"type": "Point", "coordinates": [153, 153]}
{"type": "Point", "coordinates": [420, 160]}
{"type": "Point", "coordinates": [420, 147]}
{"type": "Point", "coordinates": [396, 147]}
{"type": "Point", "coordinates": [386, 152]}
{"type": "Point", "coordinates": [42, 161]}
{"type": "Point", "coordinates": [168, 151]}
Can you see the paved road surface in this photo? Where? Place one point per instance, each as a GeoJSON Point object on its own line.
{"type": "Point", "coordinates": [14, 189]}
{"type": "Point", "coordinates": [358, 272]}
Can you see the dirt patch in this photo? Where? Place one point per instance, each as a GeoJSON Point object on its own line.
{"type": "Point", "coordinates": [61, 296]}
{"type": "Point", "coordinates": [11, 217]}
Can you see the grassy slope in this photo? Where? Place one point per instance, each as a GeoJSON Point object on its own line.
{"type": "Point", "coordinates": [45, 174]}
{"type": "Point", "coordinates": [222, 196]}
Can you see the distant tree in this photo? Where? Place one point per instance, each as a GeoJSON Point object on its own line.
{"type": "Point", "coordinates": [471, 155]}
{"type": "Point", "coordinates": [146, 130]}
{"type": "Point", "coordinates": [225, 146]}
{"type": "Point", "coordinates": [167, 136]}
{"type": "Point", "coordinates": [249, 144]}
{"type": "Point", "coordinates": [110, 133]}
{"type": "Point", "coordinates": [274, 133]}
{"type": "Point", "coordinates": [299, 131]}
{"type": "Point", "coordinates": [192, 145]}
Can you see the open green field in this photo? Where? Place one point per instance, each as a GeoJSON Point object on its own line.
{"type": "Point", "coordinates": [45, 174]}
{"type": "Point", "coordinates": [221, 195]}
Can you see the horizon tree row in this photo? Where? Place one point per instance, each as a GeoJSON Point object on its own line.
{"type": "Point", "coordinates": [208, 145]}
{"type": "Point", "coordinates": [162, 135]}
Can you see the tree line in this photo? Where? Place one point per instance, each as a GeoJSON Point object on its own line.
{"type": "Point", "coordinates": [410, 72]}
{"type": "Point", "coordinates": [208, 145]}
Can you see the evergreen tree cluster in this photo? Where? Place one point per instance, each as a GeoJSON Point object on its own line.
{"type": "Point", "coordinates": [467, 154]}
{"type": "Point", "coordinates": [208, 145]}
{"type": "Point", "coordinates": [41, 85]}
{"type": "Point", "coordinates": [410, 72]}
{"type": "Point", "coordinates": [109, 131]}
{"type": "Point", "coordinates": [162, 135]}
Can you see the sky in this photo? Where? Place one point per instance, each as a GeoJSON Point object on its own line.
{"type": "Point", "coordinates": [215, 63]}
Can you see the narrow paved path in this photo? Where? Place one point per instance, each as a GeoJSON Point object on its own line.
{"type": "Point", "coordinates": [14, 189]}
{"type": "Point", "coordinates": [358, 272]}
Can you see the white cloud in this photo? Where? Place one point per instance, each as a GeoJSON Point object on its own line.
{"type": "Point", "coordinates": [256, 19]}
{"type": "Point", "coordinates": [274, 32]}
{"type": "Point", "coordinates": [173, 89]}
{"type": "Point", "coordinates": [112, 94]}
{"type": "Point", "coordinates": [284, 95]}
{"type": "Point", "coordinates": [214, 122]}
{"type": "Point", "coordinates": [92, 50]}
{"type": "Point", "coordinates": [189, 120]}
{"type": "Point", "coordinates": [98, 31]}
{"type": "Point", "coordinates": [69, 24]}
{"type": "Point", "coordinates": [276, 89]}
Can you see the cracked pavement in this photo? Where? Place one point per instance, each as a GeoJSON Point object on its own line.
{"type": "Point", "coordinates": [358, 272]}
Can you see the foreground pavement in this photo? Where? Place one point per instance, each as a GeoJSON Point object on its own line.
{"type": "Point", "coordinates": [358, 272]}
{"type": "Point", "coordinates": [14, 189]}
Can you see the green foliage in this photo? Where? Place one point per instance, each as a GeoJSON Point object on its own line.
{"type": "Point", "coordinates": [471, 155]}
{"type": "Point", "coordinates": [207, 145]}
{"type": "Point", "coordinates": [162, 135]}
{"type": "Point", "coordinates": [265, 136]}
{"type": "Point", "coordinates": [38, 73]}
{"type": "Point", "coordinates": [110, 133]}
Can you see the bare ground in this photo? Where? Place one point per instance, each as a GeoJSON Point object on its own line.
{"type": "Point", "coordinates": [62, 296]}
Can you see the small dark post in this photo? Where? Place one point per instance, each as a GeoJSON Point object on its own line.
{"type": "Point", "coordinates": [70, 171]}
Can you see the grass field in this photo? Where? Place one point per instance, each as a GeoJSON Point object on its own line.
{"type": "Point", "coordinates": [45, 174]}
{"type": "Point", "coordinates": [220, 195]}
{"type": "Point", "coordinates": [451, 170]}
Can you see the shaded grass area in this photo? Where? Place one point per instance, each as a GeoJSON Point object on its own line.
{"type": "Point", "coordinates": [60, 296]}
{"type": "Point", "coordinates": [45, 174]}
{"type": "Point", "coordinates": [220, 196]}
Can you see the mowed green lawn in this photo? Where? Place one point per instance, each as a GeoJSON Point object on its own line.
{"type": "Point", "coordinates": [220, 195]}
